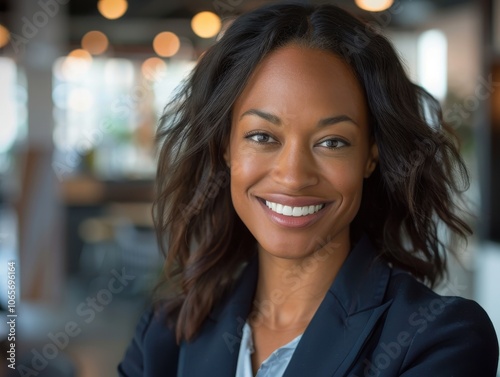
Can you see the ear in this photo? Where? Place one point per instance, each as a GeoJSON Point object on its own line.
{"type": "Point", "coordinates": [372, 160]}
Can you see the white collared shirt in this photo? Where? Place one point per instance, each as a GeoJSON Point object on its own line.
{"type": "Point", "coordinates": [273, 366]}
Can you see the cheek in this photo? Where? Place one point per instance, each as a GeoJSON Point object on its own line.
{"type": "Point", "coordinates": [245, 172]}
{"type": "Point", "coordinates": [346, 178]}
{"type": "Point", "coordinates": [242, 170]}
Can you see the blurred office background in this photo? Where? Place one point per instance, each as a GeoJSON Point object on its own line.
{"type": "Point", "coordinates": [82, 85]}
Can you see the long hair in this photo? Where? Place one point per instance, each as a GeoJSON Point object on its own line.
{"type": "Point", "coordinates": [411, 192]}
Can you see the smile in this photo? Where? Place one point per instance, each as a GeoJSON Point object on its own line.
{"type": "Point", "coordinates": [293, 211]}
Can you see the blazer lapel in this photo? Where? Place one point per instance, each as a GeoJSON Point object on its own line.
{"type": "Point", "coordinates": [331, 342]}
{"type": "Point", "coordinates": [214, 352]}
{"type": "Point", "coordinates": [345, 318]}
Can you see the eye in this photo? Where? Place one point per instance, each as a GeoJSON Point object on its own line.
{"type": "Point", "coordinates": [334, 143]}
{"type": "Point", "coordinates": [260, 137]}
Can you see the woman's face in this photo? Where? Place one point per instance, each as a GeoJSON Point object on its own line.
{"type": "Point", "coordinates": [299, 150]}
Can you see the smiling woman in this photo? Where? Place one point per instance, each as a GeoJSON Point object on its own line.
{"type": "Point", "coordinates": [310, 257]}
{"type": "Point", "coordinates": [300, 137]}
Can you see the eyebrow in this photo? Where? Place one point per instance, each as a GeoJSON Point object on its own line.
{"type": "Point", "coordinates": [277, 121]}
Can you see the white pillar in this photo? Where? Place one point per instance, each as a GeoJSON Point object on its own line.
{"type": "Point", "coordinates": [38, 38]}
{"type": "Point", "coordinates": [487, 281]}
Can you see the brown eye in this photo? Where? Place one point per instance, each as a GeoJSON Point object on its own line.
{"type": "Point", "coordinates": [261, 138]}
{"type": "Point", "coordinates": [334, 143]}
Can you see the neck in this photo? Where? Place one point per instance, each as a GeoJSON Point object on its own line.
{"type": "Point", "coordinates": [289, 291]}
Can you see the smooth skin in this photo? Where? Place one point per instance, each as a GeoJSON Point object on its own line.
{"type": "Point", "coordinates": [300, 135]}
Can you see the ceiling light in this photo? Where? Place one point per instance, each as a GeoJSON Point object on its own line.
{"type": "Point", "coordinates": [374, 5]}
{"type": "Point", "coordinates": [166, 44]}
{"type": "Point", "coordinates": [95, 42]}
{"type": "Point", "coordinates": [206, 24]}
{"type": "Point", "coordinates": [112, 9]}
{"type": "Point", "coordinates": [4, 36]}
{"type": "Point", "coordinates": [154, 69]}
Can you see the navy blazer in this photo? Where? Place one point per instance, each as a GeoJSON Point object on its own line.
{"type": "Point", "coordinates": [373, 321]}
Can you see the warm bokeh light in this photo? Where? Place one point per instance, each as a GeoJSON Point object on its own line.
{"type": "Point", "coordinates": [4, 36]}
{"type": "Point", "coordinates": [166, 44]}
{"type": "Point", "coordinates": [374, 5]}
{"type": "Point", "coordinates": [80, 54]}
{"type": "Point", "coordinates": [154, 69]}
{"type": "Point", "coordinates": [112, 9]}
{"type": "Point", "coordinates": [95, 42]}
{"type": "Point", "coordinates": [77, 63]}
{"type": "Point", "coordinates": [206, 24]}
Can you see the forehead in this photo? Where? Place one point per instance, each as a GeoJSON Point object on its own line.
{"type": "Point", "coordinates": [295, 78]}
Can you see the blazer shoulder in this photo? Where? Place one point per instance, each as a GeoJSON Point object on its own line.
{"type": "Point", "coordinates": [132, 364]}
{"type": "Point", "coordinates": [153, 348]}
{"type": "Point", "coordinates": [451, 330]}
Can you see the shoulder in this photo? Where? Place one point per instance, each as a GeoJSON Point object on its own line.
{"type": "Point", "coordinates": [441, 327]}
{"type": "Point", "coordinates": [153, 348]}
{"type": "Point", "coordinates": [411, 297]}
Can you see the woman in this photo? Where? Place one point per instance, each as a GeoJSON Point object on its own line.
{"type": "Point", "coordinates": [301, 181]}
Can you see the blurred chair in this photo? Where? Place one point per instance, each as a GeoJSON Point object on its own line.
{"type": "Point", "coordinates": [117, 242]}
{"type": "Point", "coordinates": [139, 254]}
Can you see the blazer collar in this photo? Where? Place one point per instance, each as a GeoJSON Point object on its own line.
{"type": "Point", "coordinates": [362, 280]}
{"type": "Point", "coordinates": [332, 340]}
{"type": "Point", "coordinates": [346, 317]}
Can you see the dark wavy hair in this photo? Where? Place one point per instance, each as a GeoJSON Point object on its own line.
{"type": "Point", "coordinates": [409, 196]}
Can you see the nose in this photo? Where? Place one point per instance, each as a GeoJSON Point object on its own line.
{"type": "Point", "coordinates": [294, 167]}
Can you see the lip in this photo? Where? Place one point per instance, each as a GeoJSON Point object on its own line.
{"type": "Point", "coordinates": [291, 221]}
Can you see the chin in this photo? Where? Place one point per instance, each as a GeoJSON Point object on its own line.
{"type": "Point", "coordinates": [289, 249]}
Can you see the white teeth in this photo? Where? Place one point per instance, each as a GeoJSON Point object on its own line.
{"type": "Point", "coordinates": [293, 211]}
